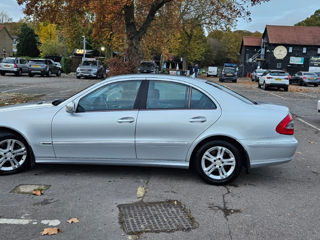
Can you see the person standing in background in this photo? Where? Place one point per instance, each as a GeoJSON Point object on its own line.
{"type": "Point", "coordinates": [196, 70]}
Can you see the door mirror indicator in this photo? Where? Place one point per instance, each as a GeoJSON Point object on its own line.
{"type": "Point", "coordinates": [71, 107]}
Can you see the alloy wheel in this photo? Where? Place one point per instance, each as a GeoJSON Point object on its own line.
{"type": "Point", "coordinates": [218, 163]}
{"type": "Point", "coordinates": [13, 154]}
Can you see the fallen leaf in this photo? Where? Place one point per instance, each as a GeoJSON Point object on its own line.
{"type": "Point", "coordinates": [37, 192]}
{"type": "Point", "coordinates": [140, 192]}
{"type": "Point", "coordinates": [50, 231]}
{"type": "Point", "coordinates": [73, 220]}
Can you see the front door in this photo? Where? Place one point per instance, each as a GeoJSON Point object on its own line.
{"type": "Point", "coordinates": [175, 115]}
{"type": "Point", "coordinates": [103, 126]}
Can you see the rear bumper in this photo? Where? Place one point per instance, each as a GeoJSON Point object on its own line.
{"type": "Point", "coordinates": [270, 152]}
{"type": "Point", "coordinates": [232, 78]}
{"type": "Point", "coordinates": [9, 70]}
{"type": "Point", "coordinates": [312, 81]}
{"type": "Point", "coordinates": [279, 85]}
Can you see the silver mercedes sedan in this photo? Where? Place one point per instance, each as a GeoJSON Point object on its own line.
{"type": "Point", "coordinates": [149, 120]}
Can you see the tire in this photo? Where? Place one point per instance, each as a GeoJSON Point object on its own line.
{"type": "Point", "coordinates": [58, 73]}
{"type": "Point", "coordinates": [48, 74]}
{"type": "Point", "coordinates": [13, 163]}
{"type": "Point", "coordinates": [215, 177]}
{"type": "Point", "coordinates": [78, 77]}
{"type": "Point", "coordinates": [265, 87]}
{"type": "Point", "coordinates": [286, 89]}
{"type": "Point", "coordinates": [301, 83]}
{"type": "Point", "coordinates": [235, 81]}
{"type": "Point", "coordinates": [259, 86]}
{"type": "Point", "coordinates": [19, 73]}
{"type": "Point", "coordinates": [316, 85]}
{"type": "Point", "coordinates": [30, 74]}
{"type": "Point", "coordinates": [3, 73]}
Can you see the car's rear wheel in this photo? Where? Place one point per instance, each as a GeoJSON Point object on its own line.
{"type": "Point", "coordinates": [48, 74]}
{"type": "Point", "coordinates": [58, 73]}
{"type": "Point", "coordinates": [218, 162]}
{"type": "Point", "coordinates": [265, 86]}
{"type": "Point", "coordinates": [30, 75]}
{"type": "Point", "coordinates": [286, 89]}
{"type": "Point", "coordinates": [19, 73]}
{"type": "Point", "coordinates": [316, 85]}
{"type": "Point", "coordinates": [14, 154]}
{"type": "Point", "coordinates": [3, 73]}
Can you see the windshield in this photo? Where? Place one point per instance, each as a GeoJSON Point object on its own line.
{"type": "Point", "coordinates": [231, 92]}
{"type": "Point", "coordinates": [89, 63]}
{"type": "Point", "coordinates": [38, 61]}
{"type": "Point", "coordinates": [8, 60]}
{"type": "Point", "coordinates": [146, 64]}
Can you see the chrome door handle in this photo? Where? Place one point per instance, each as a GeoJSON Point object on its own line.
{"type": "Point", "coordinates": [126, 120]}
{"type": "Point", "coordinates": [198, 119]}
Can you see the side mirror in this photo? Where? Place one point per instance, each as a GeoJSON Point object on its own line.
{"type": "Point", "coordinates": [71, 108]}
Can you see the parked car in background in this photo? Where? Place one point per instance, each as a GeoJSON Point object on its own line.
{"type": "Point", "coordinates": [274, 79]}
{"type": "Point", "coordinates": [212, 71]}
{"type": "Point", "coordinates": [305, 78]}
{"type": "Point", "coordinates": [256, 74]}
{"type": "Point", "coordinates": [17, 66]}
{"type": "Point", "coordinates": [90, 68]}
{"type": "Point", "coordinates": [148, 67]}
{"type": "Point", "coordinates": [155, 120]}
{"type": "Point", "coordinates": [43, 67]}
{"type": "Point", "coordinates": [229, 72]}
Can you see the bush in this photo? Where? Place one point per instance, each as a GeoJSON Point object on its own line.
{"type": "Point", "coordinates": [117, 66]}
{"type": "Point", "coordinates": [66, 64]}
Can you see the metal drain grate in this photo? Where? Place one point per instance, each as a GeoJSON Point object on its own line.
{"type": "Point", "coordinates": [165, 216]}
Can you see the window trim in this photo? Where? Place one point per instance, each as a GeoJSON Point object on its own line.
{"type": "Point", "coordinates": [111, 110]}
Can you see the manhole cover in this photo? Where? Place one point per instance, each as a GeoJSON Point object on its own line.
{"type": "Point", "coordinates": [165, 216]}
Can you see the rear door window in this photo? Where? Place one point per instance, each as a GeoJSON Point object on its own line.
{"type": "Point", "coordinates": [167, 95]}
{"type": "Point", "coordinates": [200, 100]}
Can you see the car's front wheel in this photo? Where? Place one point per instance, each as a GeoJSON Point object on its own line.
{"type": "Point", "coordinates": [218, 162]}
{"type": "Point", "coordinates": [14, 154]}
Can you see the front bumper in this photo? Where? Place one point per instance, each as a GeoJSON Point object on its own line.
{"type": "Point", "coordinates": [270, 151]}
{"type": "Point", "coordinates": [87, 74]}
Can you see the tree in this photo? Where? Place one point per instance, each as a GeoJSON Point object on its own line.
{"type": "Point", "coordinates": [133, 18]}
{"type": "Point", "coordinates": [313, 20]}
{"type": "Point", "coordinates": [27, 42]}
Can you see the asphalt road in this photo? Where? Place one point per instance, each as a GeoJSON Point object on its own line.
{"type": "Point", "coordinates": [280, 202]}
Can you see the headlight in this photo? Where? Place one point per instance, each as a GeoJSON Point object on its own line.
{"type": "Point", "coordinates": [78, 69]}
{"type": "Point", "coordinates": [94, 70]}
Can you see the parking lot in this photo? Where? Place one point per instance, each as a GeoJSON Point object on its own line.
{"type": "Point", "coordinates": [279, 202]}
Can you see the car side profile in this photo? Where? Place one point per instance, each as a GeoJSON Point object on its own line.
{"type": "Point", "coordinates": [274, 79]}
{"type": "Point", "coordinates": [14, 65]}
{"type": "Point", "coordinates": [305, 78]}
{"type": "Point", "coordinates": [43, 67]}
{"type": "Point", "coordinates": [149, 120]}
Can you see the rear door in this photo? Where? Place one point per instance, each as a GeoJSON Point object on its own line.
{"type": "Point", "coordinates": [175, 115]}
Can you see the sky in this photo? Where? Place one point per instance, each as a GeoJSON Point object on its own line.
{"type": "Point", "coordinates": [274, 12]}
{"type": "Point", "coordinates": [278, 12]}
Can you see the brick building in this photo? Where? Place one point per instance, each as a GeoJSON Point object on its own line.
{"type": "Point", "coordinates": [6, 42]}
{"type": "Point", "coordinates": [290, 48]}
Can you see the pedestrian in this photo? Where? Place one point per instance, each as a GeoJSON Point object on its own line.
{"type": "Point", "coordinates": [196, 70]}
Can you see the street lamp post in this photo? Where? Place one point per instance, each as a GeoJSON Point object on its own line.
{"type": "Point", "coordinates": [84, 48]}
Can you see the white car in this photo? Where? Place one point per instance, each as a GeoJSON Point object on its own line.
{"type": "Point", "coordinates": [274, 78]}
{"type": "Point", "coordinates": [318, 107]}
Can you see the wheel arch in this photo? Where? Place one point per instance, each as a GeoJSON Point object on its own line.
{"type": "Point", "coordinates": [4, 130]}
{"type": "Point", "coordinates": [244, 153]}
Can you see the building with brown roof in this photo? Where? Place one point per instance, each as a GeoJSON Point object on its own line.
{"type": "Point", "coordinates": [250, 48]}
{"type": "Point", "coordinates": [6, 42]}
{"type": "Point", "coordinates": [290, 48]}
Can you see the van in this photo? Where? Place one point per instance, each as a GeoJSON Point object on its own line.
{"type": "Point", "coordinates": [212, 71]}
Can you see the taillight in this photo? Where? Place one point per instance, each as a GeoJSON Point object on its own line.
{"type": "Point", "coordinates": [269, 77]}
{"type": "Point", "coordinates": [15, 66]}
{"type": "Point", "coordinates": [286, 126]}
{"type": "Point", "coordinates": [304, 78]}
{"type": "Point", "coordinates": [289, 76]}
